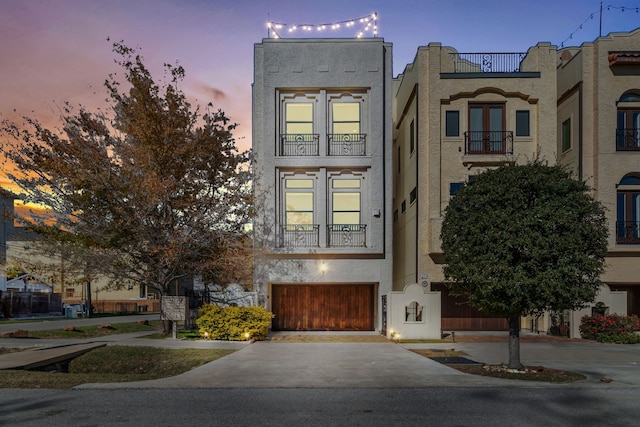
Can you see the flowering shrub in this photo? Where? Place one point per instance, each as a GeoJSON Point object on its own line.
{"type": "Point", "coordinates": [233, 323]}
{"type": "Point", "coordinates": [610, 328]}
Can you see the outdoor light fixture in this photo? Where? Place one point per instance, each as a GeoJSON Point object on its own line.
{"type": "Point", "coordinates": [323, 267]}
{"type": "Point", "coordinates": [247, 335]}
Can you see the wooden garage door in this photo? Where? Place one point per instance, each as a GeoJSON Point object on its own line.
{"type": "Point", "coordinates": [457, 315]}
{"type": "Point", "coordinates": [340, 307]}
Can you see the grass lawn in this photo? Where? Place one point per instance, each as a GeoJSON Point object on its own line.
{"type": "Point", "coordinates": [106, 328]}
{"type": "Point", "coordinates": [114, 364]}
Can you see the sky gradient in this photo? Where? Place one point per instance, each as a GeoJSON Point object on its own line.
{"type": "Point", "coordinates": [54, 51]}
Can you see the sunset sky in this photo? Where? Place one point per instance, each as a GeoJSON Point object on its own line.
{"type": "Point", "coordinates": [56, 50]}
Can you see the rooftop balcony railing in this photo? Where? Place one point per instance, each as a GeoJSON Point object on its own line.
{"type": "Point", "coordinates": [299, 144]}
{"type": "Point", "coordinates": [347, 144]}
{"type": "Point", "coordinates": [492, 62]}
{"type": "Point", "coordinates": [347, 235]}
{"type": "Point", "coordinates": [628, 232]}
{"type": "Point", "coordinates": [488, 142]}
{"type": "Point", "coordinates": [628, 139]}
{"type": "Point", "coordinates": [299, 235]}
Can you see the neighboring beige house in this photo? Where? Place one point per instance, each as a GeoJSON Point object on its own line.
{"type": "Point", "coordinates": [322, 161]}
{"type": "Point", "coordinates": [455, 115]}
{"type": "Point", "coordinates": [598, 125]}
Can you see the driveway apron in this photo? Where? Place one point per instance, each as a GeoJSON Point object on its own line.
{"type": "Point", "coordinates": [267, 364]}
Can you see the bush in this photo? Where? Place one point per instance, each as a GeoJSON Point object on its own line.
{"type": "Point", "coordinates": [233, 323]}
{"type": "Point", "coordinates": [610, 328]}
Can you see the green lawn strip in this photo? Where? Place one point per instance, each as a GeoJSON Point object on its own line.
{"type": "Point", "coordinates": [115, 364]}
{"type": "Point", "coordinates": [95, 331]}
{"type": "Point", "coordinates": [63, 319]}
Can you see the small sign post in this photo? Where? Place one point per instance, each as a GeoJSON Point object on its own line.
{"type": "Point", "coordinates": [173, 308]}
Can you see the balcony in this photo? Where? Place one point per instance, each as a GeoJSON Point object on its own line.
{"type": "Point", "coordinates": [299, 236]}
{"type": "Point", "coordinates": [487, 62]}
{"type": "Point", "coordinates": [488, 142]}
{"type": "Point", "coordinates": [628, 232]}
{"type": "Point", "coordinates": [346, 235]}
{"type": "Point", "coordinates": [628, 139]}
{"type": "Point", "coordinates": [299, 144]}
{"type": "Point", "coordinates": [347, 144]}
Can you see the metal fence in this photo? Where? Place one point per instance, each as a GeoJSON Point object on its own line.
{"type": "Point", "coordinates": [491, 62]}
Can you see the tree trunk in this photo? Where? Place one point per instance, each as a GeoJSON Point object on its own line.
{"type": "Point", "coordinates": [514, 343]}
{"type": "Point", "coordinates": [89, 308]}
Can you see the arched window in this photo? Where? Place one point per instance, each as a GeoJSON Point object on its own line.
{"type": "Point", "coordinates": [628, 127]}
{"type": "Point", "coordinates": [628, 210]}
{"type": "Point", "coordinates": [413, 312]}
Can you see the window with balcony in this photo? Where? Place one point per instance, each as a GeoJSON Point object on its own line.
{"type": "Point", "coordinates": [628, 123]}
{"type": "Point", "coordinates": [298, 137]}
{"type": "Point", "coordinates": [487, 134]}
{"type": "Point", "coordinates": [346, 137]}
{"type": "Point", "coordinates": [298, 228]}
{"type": "Point", "coordinates": [346, 228]}
{"type": "Point", "coordinates": [628, 210]}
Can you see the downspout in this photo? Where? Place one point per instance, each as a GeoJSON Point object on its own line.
{"type": "Point", "coordinates": [580, 149]}
{"type": "Point", "coordinates": [417, 137]}
{"type": "Point", "coordinates": [384, 146]}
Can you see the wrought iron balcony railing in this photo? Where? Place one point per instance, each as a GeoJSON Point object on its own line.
{"type": "Point", "coordinates": [299, 144]}
{"type": "Point", "coordinates": [628, 232]}
{"type": "Point", "coordinates": [488, 142]}
{"type": "Point", "coordinates": [492, 62]}
{"type": "Point", "coordinates": [299, 235]}
{"type": "Point", "coordinates": [628, 139]}
{"type": "Point", "coordinates": [347, 144]}
{"type": "Point", "coordinates": [347, 235]}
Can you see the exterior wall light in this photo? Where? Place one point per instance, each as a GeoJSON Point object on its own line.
{"type": "Point", "coordinates": [323, 267]}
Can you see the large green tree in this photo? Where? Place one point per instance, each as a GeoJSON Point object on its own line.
{"type": "Point", "coordinates": [522, 239]}
{"type": "Point", "coordinates": [154, 188]}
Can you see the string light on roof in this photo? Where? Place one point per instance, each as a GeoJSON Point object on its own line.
{"type": "Point", "coordinates": [591, 16]}
{"type": "Point", "coordinates": [369, 26]}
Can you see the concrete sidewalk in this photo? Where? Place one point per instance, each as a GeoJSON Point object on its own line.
{"type": "Point", "coordinates": [382, 364]}
{"type": "Point", "coordinates": [272, 364]}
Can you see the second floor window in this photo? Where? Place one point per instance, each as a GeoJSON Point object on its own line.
{"type": "Point", "coordinates": [346, 228]}
{"type": "Point", "coordinates": [345, 201]}
{"type": "Point", "coordinates": [298, 202]}
{"type": "Point", "coordinates": [298, 228]}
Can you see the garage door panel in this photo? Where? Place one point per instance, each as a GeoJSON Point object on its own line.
{"type": "Point", "coordinates": [323, 307]}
